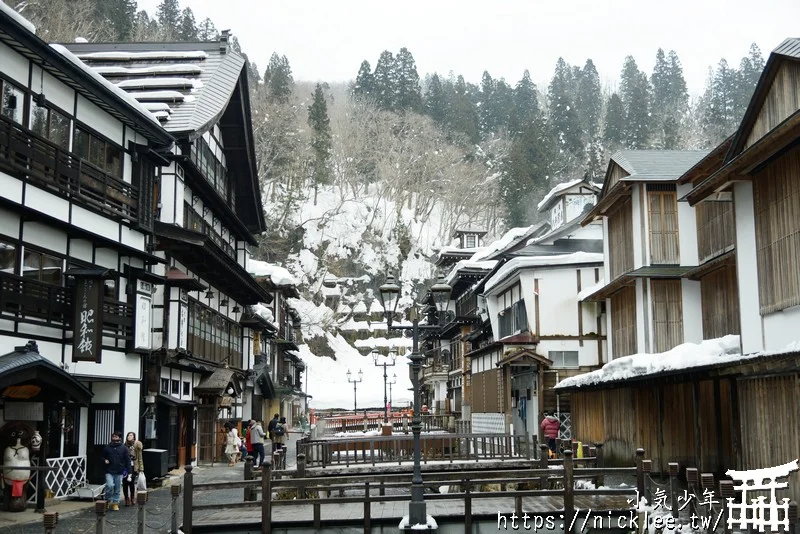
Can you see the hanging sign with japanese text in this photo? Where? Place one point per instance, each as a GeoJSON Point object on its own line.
{"type": "Point", "coordinates": [88, 320]}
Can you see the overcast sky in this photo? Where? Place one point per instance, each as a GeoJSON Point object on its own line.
{"type": "Point", "coordinates": [327, 40]}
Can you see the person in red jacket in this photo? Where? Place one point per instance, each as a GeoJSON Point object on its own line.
{"type": "Point", "coordinates": [550, 426]}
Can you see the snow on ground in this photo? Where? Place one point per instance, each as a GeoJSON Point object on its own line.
{"type": "Point", "coordinates": [430, 524]}
{"type": "Point", "coordinates": [279, 276]}
{"type": "Point", "coordinates": [315, 319]}
{"type": "Point", "coordinates": [327, 378]}
{"type": "Point", "coordinates": [686, 356]}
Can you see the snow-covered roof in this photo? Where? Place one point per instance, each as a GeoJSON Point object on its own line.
{"type": "Point", "coordinates": [585, 292]}
{"type": "Point", "coordinates": [277, 274]}
{"type": "Point", "coordinates": [487, 266]}
{"type": "Point", "coordinates": [544, 204]}
{"type": "Point", "coordinates": [360, 307]}
{"type": "Point", "coordinates": [11, 12]}
{"type": "Point", "coordinates": [264, 312]}
{"type": "Point", "coordinates": [343, 309]}
{"type": "Point", "coordinates": [196, 80]}
{"type": "Point", "coordinates": [511, 237]}
{"type": "Point", "coordinates": [540, 261]}
{"type": "Point", "coordinates": [709, 352]}
{"type": "Point", "coordinates": [376, 307]}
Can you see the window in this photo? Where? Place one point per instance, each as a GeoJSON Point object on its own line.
{"type": "Point", "coordinates": [165, 386]}
{"type": "Point", "coordinates": [513, 319]}
{"type": "Point", "coordinates": [50, 124]}
{"type": "Point", "coordinates": [176, 387]}
{"type": "Point", "coordinates": [12, 102]}
{"type": "Point", "coordinates": [97, 151]}
{"type": "Point", "coordinates": [471, 241]}
{"type": "Point", "coordinates": [214, 336]}
{"type": "Point", "coordinates": [564, 358]}
{"type": "Point", "coordinates": [667, 314]}
{"type": "Point", "coordinates": [187, 387]}
{"type": "Point", "coordinates": [8, 257]}
{"type": "Point", "coordinates": [42, 267]}
{"type": "Point", "coordinates": [663, 202]}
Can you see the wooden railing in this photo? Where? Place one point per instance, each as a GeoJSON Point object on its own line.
{"type": "Point", "coordinates": [373, 420]}
{"type": "Point", "coordinates": [467, 485]}
{"type": "Point", "coordinates": [373, 450]}
{"type": "Point", "coordinates": [30, 157]}
{"type": "Point", "coordinates": [34, 302]}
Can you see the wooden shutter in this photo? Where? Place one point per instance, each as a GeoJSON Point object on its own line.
{"type": "Point", "coordinates": [623, 321]}
{"type": "Point", "coordinates": [663, 211]}
{"type": "Point", "coordinates": [667, 314]}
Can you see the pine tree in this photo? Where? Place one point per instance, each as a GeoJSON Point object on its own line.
{"type": "Point", "coordinates": [408, 96]}
{"type": "Point", "coordinates": [589, 102]}
{"type": "Point", "coordinates": [436, 101]}
{"type": "Point", "coordinates": [635, 95]}
{"type": "Point", "coordinates": [206, 31]}
{"type": "Point", "coordinates": [718, 106]}
{"type": "Point", "coordinates": [669, 100]}
{"type": "Point", "coordinates": [526, 105]}
{"type": "Point", "coordinates": [385, 77]}
{"type": "Point", "coordinates": [168, 14]}
{"type": "Point", "coordinates": [526, 173]}
{"type": "Point", "coordinates": [485, 111]}
{"type": "Point", "coordinates": [321, 139]}
{"type": "Point", "coordinates": [614, 132]}
{"type": "Point", "coordinates": [502, 104]}
{"type": "Point", "coordinates": [187, 30]}
{"type": "Point", "coordinates": [463, 117]}
{"type": "Point", "coordinates": [365, 83]}
{"type": "Point", "coordinates": [144, 29]}
{"type": "Point", "coordinates": [278, 79]}
{"type": "Point", "coordinates": [119, 14]}
{"type": "Point", "coordinates": [563, 118]}
{"type": "Point", "coordinates": [749, 73]}
{"type": "Point", "coordinates": [253, 77]}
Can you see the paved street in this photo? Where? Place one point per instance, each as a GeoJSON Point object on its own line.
{"type": "Point", "coordinates": [79, 517]}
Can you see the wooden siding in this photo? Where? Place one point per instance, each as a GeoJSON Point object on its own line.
{"type": "Point", "coordinates": [486, 392]}
{"type": "Point", "coordinates": [620, 239]}
{"type": "Point", "coordinates": [776, 191]}
{"type": "Point", "coordinates": [719, 292]}
{"type": "Point", "coordinates": [623, 322]}
{"type": "Point", "coordinates": [667, 314]}
{"type": "Point", "coordinates": [769, 415]}
{"type": "Point", "coordinates": [782, 100]}
{"type": "Point", "coordinates": [617, 173]}
{"type": "Point", "coordinates": [663, 217]}
{"type": "Point", "coordinates": [716, 229]}
{"type": "Point", "coordinates": [691, 423]}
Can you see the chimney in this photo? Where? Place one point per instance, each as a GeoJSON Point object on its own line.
{"type": "Point", "coordinates": [223, 41]}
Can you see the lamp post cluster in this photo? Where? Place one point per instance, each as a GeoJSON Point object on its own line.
{"type": "Point", "coordinates": [390, 293]}
{"type": "Point", "coordinates": [377, 356]}
{"type": "Point", "coordinates": [355, 382]}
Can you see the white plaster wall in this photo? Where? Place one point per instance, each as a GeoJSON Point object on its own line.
{"type": "Point", "coordinates": [54, 90]}
{"type": "Point", "coordinates": [81, 249]}
{"type": "Point", "coordinates": [752, 329]}
{"type": "Point", "coordinates": [687, 229]}
{"type": "Point", "coordinates": [9, 221]}
{"type": "Point", "coordinates": [106, 257]}
{"type": "Point", "coordinates": [781, 328]}
{"type": "Point", "coordinates": [692, 311]}
{"type": "Point", "coordinates": [99, 120]}
{"type": "Point", "coordinates": [105, 392]}
{"type": "Point", "coordinates": [95, 223]}
{"type": "Point", "coordinates": [558, 302]}
{"type": "Point", "coordinates": [587, 354]}
{"type": "Point", "coordinates": [133, 238]}
{"type": "Point", "coordinates": [606, 321]}
{"type": "Point", "coordinates": [639, 213]}
{"type": "Point", "coordinates": [45, 236]}
{"type": "Point", "coordinates": [131, 409]}
{"type": "Point", "coordinates": [48, 349]}
{"type": "Point", "coordinates": [114, 365]}
{"type": "Point", "coordinates": [11, 188]}
{"type": "Point", "coordinates": [45, 202]}
{"type": "Point", "coordinates": [14, 65]}
{"type": "Point", "coordinates": [83, 431]}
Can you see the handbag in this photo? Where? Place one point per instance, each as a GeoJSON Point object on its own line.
{"type": "Point", "coordinates": [141, 482]}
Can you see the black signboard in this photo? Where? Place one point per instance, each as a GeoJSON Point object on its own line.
{"type": "Point", "coordinates": [88, 320]}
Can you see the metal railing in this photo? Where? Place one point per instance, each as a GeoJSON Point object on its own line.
{"type": "Point", "coordinates": [33, 158]}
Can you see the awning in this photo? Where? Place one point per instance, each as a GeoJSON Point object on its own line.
{"type": "Point", "coordinates": [661, 271]}
{"type": "Point", "coordinates": [177, 278]}
{"type": "Point", "coordinates": [32, 377]}
{"type": "Point", "coordinates": [167, 399]}
{"type": "Point", "coordinates": [523, 338]}
{"type": "Point", "coordinates": [524, 357]}
{"type": "Point", "coordinates": [202, 255]}
{"type": "Point", "coordinates": [723, 260]}
{"type": "Point", "coordinates": [90, 272]}
{"type": "Point", "coordinates": [285, 344]}
{"type": "Point", "coordinates": [218, 383]}
{"type": "Point", "coordinates": [609, 289]}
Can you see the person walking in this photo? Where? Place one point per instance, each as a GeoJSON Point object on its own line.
{"type": "Point", "coordinates": [550, 427]}
{"type": "Point", "coordinates": [129, 482]}
{"type": "Point", "coordinates": [233, 444]}
{"type": "Point", "coordinates": [271, 429]}
{"type": "Point", "coordinates": [117, 461]}
{"type": "Point", "coordinates": [257, 440]}
{"type": "Point", "coordinates": [279, 433]}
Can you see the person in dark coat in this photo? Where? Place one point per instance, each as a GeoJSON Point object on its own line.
{"type": "Point", "coordinates": [271, 430]}
{"type": "Point", "coordinates": [117, 460]}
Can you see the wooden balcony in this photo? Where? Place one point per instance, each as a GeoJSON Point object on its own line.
{"type": "Point", "coordinates": [36, 160]}
{"type": "Point", "coordinates": [32, 302]}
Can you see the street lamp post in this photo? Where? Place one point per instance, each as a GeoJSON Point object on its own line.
{"type": "Point", "coordinates": [394, 381]}
{"type": "Point", "coordinates": [355, 385]}
{"type": "Point", "coordinates": [390, 293]}
{"type": "Point", "coordinates": [376, 356]}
